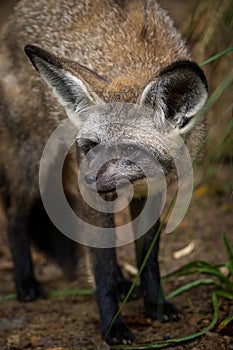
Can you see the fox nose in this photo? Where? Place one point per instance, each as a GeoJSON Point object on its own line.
{"type": "Point", "coordinates": [90, 179]}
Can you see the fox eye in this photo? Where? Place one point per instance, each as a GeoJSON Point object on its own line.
{"type": "Point", "coordinates": [88, 146]}
{"type": "Point", "coordinates": [130, 150]}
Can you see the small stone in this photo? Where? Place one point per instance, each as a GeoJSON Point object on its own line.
{"type": "Point", "coordinates": [13, 341]}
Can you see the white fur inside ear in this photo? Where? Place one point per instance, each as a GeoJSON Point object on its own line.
{"type": "Point", "coordinates": [189, 126]}
{"type": "Point", "coordinates": [155, 93]}
{"type": "Point", "coordinates": [68, 89]}
{"type": "Point", "coordinates": [199, 105]}
{"type": "Point", "coordinates": [191, 114]}
{"type": "Point", "coordinates": [84, 100]}
{"type": "Point", "coordinates": [145, 93]}
{"type": "Point", "coordinates": [82, 96]}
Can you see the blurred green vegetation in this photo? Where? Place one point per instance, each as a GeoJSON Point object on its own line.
{"type": "Point", "coordinates": [209, 31]}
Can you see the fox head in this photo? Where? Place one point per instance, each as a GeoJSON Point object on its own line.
{"type": "Point", "coordinates": [126, 142]}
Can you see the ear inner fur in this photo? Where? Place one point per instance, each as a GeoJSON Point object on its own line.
{"type": "Point", "coordinates": [95, 81]}
{"type": "Point", "coordinates": [180, 90]}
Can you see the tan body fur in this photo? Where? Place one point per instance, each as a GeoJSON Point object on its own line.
{"type": "Point", "coordinates": [129, 61]}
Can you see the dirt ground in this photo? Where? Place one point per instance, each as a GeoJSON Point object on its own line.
{"type": "Point", "coordinates": [72, 322]}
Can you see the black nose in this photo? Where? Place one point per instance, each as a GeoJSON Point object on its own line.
{"type": "Point", "coordinates": [90, 179]}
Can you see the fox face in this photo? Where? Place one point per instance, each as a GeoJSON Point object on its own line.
{"type": "Point", "coordinates": [117, 155]}
{"type": "Point", "coordinates": [126, 142]}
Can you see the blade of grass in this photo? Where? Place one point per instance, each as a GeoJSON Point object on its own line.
{"type": "Point", "coordinates": [70, 292]}
{"type": "Point", "coordinates": [225, 83]}
{"type": "Point", "coordinates": [8, 297]}
{"type": "Point", "coordinates": [229, 253]}
{"type": "Point", "coordinates": [191, 24]}
{"type": "Point", "coordinates": [191, 285]}
{"type": "Point", "coordinates": [189, 268]}
{"type": "Point", "coordinates": [229, 17]}
{"type": "Point", "coordinates": [197, 267]}
{"type": "Point", "coordinates": [201, 268]}
{"type": "Point", "coordinates": [136, 279]}
{"type": "Point", "coordinates": [224, 294]}
{"type": "Point", "coordinates": [217, 273]}
{"type": "Point", "coordinates": [224, 140]}
{"type": "Point", "coordinates": [165, 343]}
{"type": "Point", "coordinates": [225, 322]}
{"type": "Point", "coordinates": [57, 293]}
{"type": "Point", "coordinates": [216, 56]}
{"type": "Point", "coordinates": [210, 102]}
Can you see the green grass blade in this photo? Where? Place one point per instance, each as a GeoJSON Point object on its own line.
{"type": "Point", "coordinates": [191, 24]}
{"type": "Point", "coordinates": [224, 294]}
{"type": "Point", "coordinates": [191, 285]}
{"type": "Point", "coordinates": [135, 282]}
{"type": "Point", "coordinates": [212, 100]}
{"type": "Point", "coordinates": [57, 293]}
{"type": "Point", "coordinates": [136, 279]}
{"type": "Point", "coordinates": [229, 253]}
{"type": "Point", "coordinates": [70, 292]}
{"type": "Point", "coordinates": [224, 85]}
{"type": "Point", "coordinates": [225, 322]}
{"type": "Point", "coordinates": [9, 297]}
{"type": "Point", "coordinates": [166, 343]}
{"type": "Point", "coordinates": [190, 268]}
{"type": "Point", "coordinates": [216, 94]}
{"type": "Point", "coordinates": [215, 272]}
{"type": "Point", "coordinates": [218, 55]}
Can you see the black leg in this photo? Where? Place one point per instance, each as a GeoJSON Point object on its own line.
{"type": "Point", "coordinates": [48, 239]}
{"type": "Point", "coordinates": [155, 304]}
{"type": "Point", "coordinates": [123, 286]}
{"type": "Point", "coordinates": [27, 287]}
{"type": "Point", "coordinates": [105, 271]}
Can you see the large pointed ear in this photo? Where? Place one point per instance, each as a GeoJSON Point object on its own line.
{"type": "Point", "coordinates": [72, 83]}
{"type": "Point", "coordinates": [178, 92]}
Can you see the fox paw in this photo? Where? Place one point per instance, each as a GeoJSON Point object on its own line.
{"type": "Point", "coordinates": [29, 290]}
{"type": "Point", "coordinates": [165, 312]}
{"type": "Point", "coordinates": [119, 334]}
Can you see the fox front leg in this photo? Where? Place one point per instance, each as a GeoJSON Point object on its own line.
{"type": "Point", "coordinates": [155, 304]}
{"type": "Point", "coordinates": [105, 272]}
